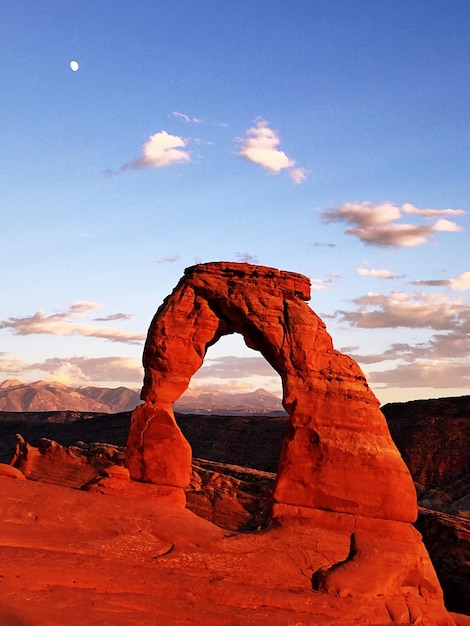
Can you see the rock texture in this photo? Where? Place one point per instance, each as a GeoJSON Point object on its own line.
{"type": "Point", "coordinates": [72, 466]}
{"type": "Point", "coordinates": [71, 557]}
{"type": "Point", "coordinates": [238, 498]}
{"type": "Point", "coordinates": [233, 497]}
{"type": "Point", "coordinates": [447, 538]}
{"type": "Point", "coordinates": [337, 454]}
{"type": "Point", "coordinates": [433, 437]}
{"type": "Point", "coordinates": [339, 469]}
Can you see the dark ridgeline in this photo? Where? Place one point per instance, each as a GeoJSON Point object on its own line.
{"type": "Point", "coordinates": [251, 441]}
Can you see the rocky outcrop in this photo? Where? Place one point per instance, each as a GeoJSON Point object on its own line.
{"type": "Point", "coordinates": [433, 437]}
{"type": "Point", "coordinates": [447, 538]}
{"type": "Point", "coordinates": [233, 497]}
{"type": "Point", "coordinates": [72, 466]}
{"type": "Point", "coordinates": [337, 453]}
{"type": "Point", "coordinates": [339, 468]}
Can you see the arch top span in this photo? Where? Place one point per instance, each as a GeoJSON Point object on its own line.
{"type": "Point", "coordinates": [337, 451]}
{"type": "Point", "coordinates": [291, 284]}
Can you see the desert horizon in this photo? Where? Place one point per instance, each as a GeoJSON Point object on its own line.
{"type": "Point", "coordinates": [235, 323]}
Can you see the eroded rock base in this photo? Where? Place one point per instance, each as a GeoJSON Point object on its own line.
{"type": "Point", "coordinates": [66, 554]}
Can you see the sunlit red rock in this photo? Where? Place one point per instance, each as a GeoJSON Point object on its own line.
{"type": "Point", "coordinates": [337, 455]}
{"type": "Point", "coordinates": [339, 469]}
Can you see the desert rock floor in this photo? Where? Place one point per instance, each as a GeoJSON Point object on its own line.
{"type": "Point", "coordinates": [69, 557]}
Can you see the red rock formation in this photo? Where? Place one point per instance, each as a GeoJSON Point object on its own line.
{"type": "Point", "coordinates": [337, 455]}
{"type": "Point", "coordinates": [433, 437]}
{"type": "Point", "coordinates": [339, 467]}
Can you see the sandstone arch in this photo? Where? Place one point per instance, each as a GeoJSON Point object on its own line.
{"type": "Point", "coordinates": [342, 485]}
{"type": "Point", "coordinates": [337, 453]}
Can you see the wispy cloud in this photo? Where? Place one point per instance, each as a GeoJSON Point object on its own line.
{"type": "Point", "coordinates": [66, 323]}
{"type": "Point", "coordinates": [442, 362]}
{"type": "Point", "coordinates": [76, 370]}
{"type": "Point", "coordinates": [80, 368]}
{"type": "Point", "coordinates": [298, 175]}
{"type": "Point", "coordinates": [362, 271]}
{"type": "Point", "coordinates": [260, 146]}
{"type": "Point", "coordinates": [245, 257]}
{"type": "Point", "coordinates": [235, 367]}
{"type": "Point", "coordinates": [442, 346]}
{"type": "Point", "coordinates": [186, 118]}
{"type": "Point", "coordinates": [320, 284]}
{"type": "Point", "coordinates": [378, 224]}
{"type": "Point", "coordinates": [408, 311]}
{"type": "Point", "coordinates": [114, 317]}
{"type": "Point", "coordinates": [459, 283]}
{"type": "Point", "coordinates": [168, 259]}
{"type": "Point", "coordinates": [443, 374]}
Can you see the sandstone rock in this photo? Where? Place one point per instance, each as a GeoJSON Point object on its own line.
{"type": "Point", "coordinates": [8, 471]}
{"type": "Point", "coordinates": [447, 538]}
{"type": "Point", "coordinates": [337, 453]}
{"type": "Point", "coordinates": [235, 498]}
{"type": "Point", "coordinates": [114, 486]}
{"type": "Point", "coordinates": [117, 471]}
{"type": "Point", "coordinates": [339, 468]}
{"type": "Point", "coordinates": [71, 466]}
{"type": "Point", "coordinates": [433, 437]}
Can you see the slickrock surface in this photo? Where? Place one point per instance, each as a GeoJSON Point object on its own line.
{"type": "Point", "coordinates": [339, 472]}
{"type": "Point", "coordinates": [69, 558]}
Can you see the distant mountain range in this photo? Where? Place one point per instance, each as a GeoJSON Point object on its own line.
{"type": "Point", "coordinates": [17, 396]}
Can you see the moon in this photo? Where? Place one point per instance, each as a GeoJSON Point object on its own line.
{"type": "Point", "coordinates": [74, 65]}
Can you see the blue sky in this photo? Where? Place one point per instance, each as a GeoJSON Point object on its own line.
{"type": "Point", "coordinates": [326, 138]}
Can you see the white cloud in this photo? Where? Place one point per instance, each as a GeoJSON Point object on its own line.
{"type": "Point", "coordinates": [298, 175]}
{"type": "Point", "coordinates": [261, 147]}
{"type": "Point", "coordinates": [410, 311]}
{"type": "Point", "coordinates": [442, 362]}
{"type": "Point", "coordinates": [436, 374]}
{"type": "Point", "coordinates": [80, 369]}
{"type": "Point", "coordinates": [235, 367]}
{"type": "Point", "coordinates": [376, 273]}
{"type": "Point", "coordinates": [76, 370]}
{"type": "Point", "coordinates": [65, 324]}
{"type": "Point", "coordinates": [377, 224]}
{"type": "Point", "coordinates": [412, 210]}
{"type": "Point", "coordinates": [446, 226]}
{"type": "Point", "coordinates": [459, 283]}
{"type": "Point", "coordinates": [320, 284]}
{"type": "Point", "coordinates": [162, 150]}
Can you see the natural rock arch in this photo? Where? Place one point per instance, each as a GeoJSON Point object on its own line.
{"type": "Point", "coordinates": [337, 452]}
{"type": "Point", "coordinates": [342, 487]}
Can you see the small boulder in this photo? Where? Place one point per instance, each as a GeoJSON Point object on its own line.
{"type": "Point", "coordinates": [8, 471]}
{"type": "Point", "coordinates": [117, 471]}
